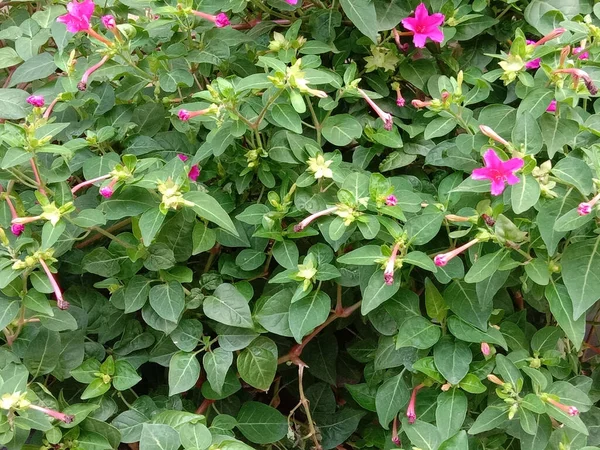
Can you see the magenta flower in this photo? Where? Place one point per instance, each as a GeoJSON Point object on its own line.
{"type": "Point", "coordinates": [17, 229]}
{"type": "Point", "coordinates": [444, 258]}
{"type": "Point", "coordinates": [424, 26]}
{"type": "Point", "coordinates": [551, 107]}
{"type": "Point", "coordinates": [581, 53]}
{"type": "Point", "coordinates": [391, 200]}
{"type": "Point", "coordinates": [498, 171]}
{"type": "Point", "coordinates": [108, 190]}
{"type": "Point", "coordinates": [36, 100]}
{"type": "Point", "coordinates": [82, 85]}
{"type": "Point", "coordinates": [583, 209]}
{"type": "Point", "coordinates": [182, 157]}
{"type": "Point", "coordinates": [220, 20]}
{"type": "Point", "coordinates": [184, 115]}
{"type": "Point", "coordinates": [79, 15]}
{"type": "Point", "coordinates": [89, 183]}
{"type": "Point", "coordinates": [194, 172]}
{"type": "Point", "coordinates": [109, 21]}
{"type": "Point", "coordinates": [399, 99]}
{"type": "Point", "coordinates": [60, 301]}
{"type": "Point", "coordinates": [291, 2]}
{"type": "Point", "coordinates": [535, 63]}
{"type": "Point", "coordinates": [411, 412]}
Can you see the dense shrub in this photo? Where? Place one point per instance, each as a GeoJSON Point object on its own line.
{"type": "Point", "coordinates": [304, 224]}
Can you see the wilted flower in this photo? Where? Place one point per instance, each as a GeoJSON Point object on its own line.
{"type": "Point", "coordinates": [82, 85]}
{"type": "Point", "coordinates": [108, 21]}
{"type": "Point", "coordinates": [443, 258]}
{"type": "Point", "coordinates": [585, 208]}
{"type": "Point", "coordinates": [386, 117]}
{"type": "Point", "coordinates": [220, 20]}
{"type": "Point", "coordinates": [36, 100]}
{"type": "Point", "coordinates": [391, 200]}
{"type": "Point", "coordinates": [388, 273]}
{"type": "Point", "coordinates": [60, 301]}
{"type": "Point", "coordinates": [306, 222]}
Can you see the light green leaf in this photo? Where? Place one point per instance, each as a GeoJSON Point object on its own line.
{"type": "Point", "coordinates": [184, 370]}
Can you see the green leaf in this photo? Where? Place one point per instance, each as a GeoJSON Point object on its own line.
{"type": "Point", "coordinates": [561, 307]}
{"type": "Point", "coordinates": [8, 58]}
{"type": "Point", "coordinates": [216, 364]}
{"type": "Point", "coordinates": [417, 332]}
{"type": "Point", "coordinates": [59, 321]}
{"type": "Point", "coordinates": [468, 333]}
{"type": "Point", "coordinates": [434, 302]}
{"type": "Point", "coordinates": [150, 223]}
{"type": "Point", "coordinates": [490, 418]}
{"type": "Point", "coordinates": [527, 132]}
{"type": "Point", "coordinates": [228, 306]}
{"type": "Point", "coordinates": [363, 15]}
{"type": "Point", "coordinates": [9, 309]}
{"type": "Point", "coordinates": [459, 441]}
{"type": "Point", "coordinates": [168, 300]}
{"type": "Point", "coordinates": [557, 132]}
{"type": "Point", "coordinates": [209, 208]}
{"type": "Point", "coordinates": [42, 353]}
{"type": "Point", "coordinates": [524, 194]}
{"type": "Point", "coordinates": [13, 105]}
{"type": "Point", "coordinates": [203, 238]}
{"type": "Point", "coordinates": [363, 256]}
{"type": "Point", "coordinates": [452, 359]}
{"type": "Point", "coordinates": [195, 436]}
{"type": "Point", "coordinates": [257, 363]}
{"type": "Point", "coordinates": [136, 293]}
{"type": "Point", "coordinates": [284, 115]}
{"type": "Point", "coordinates": [308, 313]}
{"type": "Point", "coordinates": [546, 339]}
{"type": "Point", "coordinates": [377, 292]}
{"type": "Point", "coordinates": [187, 334]}
{"type": "Point", "coordinates": [484, 267]}
{"type": "Point", "coordinates": [36, 68]}
{"type": "Point", "coordinates": [462, 299]}
{"type": "Point", "coordinates": [391, 396]}
{"type": "Point", "coordinates": [101, 261]}
{"type": "Point", "coordinates": [125, 376]}
{"type": "Point", "coordinates": [423, 228]}
{"type": "Point", "coordinates": [184, 371]}
{"type": "Point", "coordinates": [440, 126]}
{"type": "Point", "coordinates": [422, 434]}
{"type": "Point", "coordinates": [260, 423]}
{"type": "Point", "coordinates": [159, 437]}
{"type": "Point", "coordinates": [274, 313]}
{"type": "Point", "coordinates": [575, 172]}
{"type": "Point", "coordinates": [538, 271]}
{"type": "Point", "coordinates": [571, 221]}
{"type": "Point", "coordinates": [341, 129]}
{"type": "Point", "coordinates": [581, 274]}
{"type": "Point", "coordinates": [286, 254]}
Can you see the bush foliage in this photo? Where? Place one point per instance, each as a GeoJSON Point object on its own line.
{"type": "Point", "coordinates": [352, 224]}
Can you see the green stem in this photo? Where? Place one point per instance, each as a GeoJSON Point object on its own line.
{"type": "Point", "coordinates": [112, 237]}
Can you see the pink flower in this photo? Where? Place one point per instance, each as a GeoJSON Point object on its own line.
{"type": "Point", "coordinates": [89, 182]}
{"type": "Point", "coordinates": [581, 53]}
{"type": "Point", "coordinates": [386, 117]}
{"type": "Point", "coordinates": [60, 301]}
{"type": "Point", "coordinates": [498, 171]}
{"type": "Point", "coordinates": [17, 229]}
{"type": "Point", "coordinates": [36, 100]}
{"type": "Point", "coordinates": [220, 20]}
{"type": "Point", "coordinates": [391, 200]}
{"type": "Point", "coordinates": [577, 74]}
{"type": "Point", "coordinates": [194, 172]}
{"type": "Point", "coordinates": [108, 190]}
{"type": "Point", "coordinates": [292, 2]}
{"type": "Point", "coordinates": [79, 15]}
{"type": "Point", "coordinates": [388, 273]}
{"type": "Point", "coordinates": [399, 99]}
{"type": "Point", "coordinates": [551, 107]}
{"type": "Point", "coordinates": [109, 21]}
{"type": "Point", "coordinates": [182, 157]}
{"type": "Point", "coordinates": [443, 258]}
{"type": "Point", "coordinates": [424, 26]}
{"type": "Point", "coordinates": [54, 414]}
{"type": "Point", "coordinates": [395, 437]}
{"type": "Point", "coordinates": [584, 208]}
{"type": "Point", "coordinates": [420, 104]}
{"type": "Point", "coordinates": [82, 85]}
{"type": "Point", "coordinates": [306, 222]}
{"type": "Point", "coordinates": [534, 63]}
{"type": "Point", "coordinates": [184, 115]}
{"type": "Point", "coordinates": [411, 411]}
{"type": "Point", "coordinates": [492, 134]}
{"type": "Point", "coordinates": [570, 410]}
{"type": "Point", "coordinates": [485, 348]}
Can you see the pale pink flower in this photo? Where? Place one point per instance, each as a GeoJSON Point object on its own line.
{"type": "Point", "coordinates": [580, 74]}
{"type": "Point", "coordinates": [82, 85]}
{"type": "Point", "coordinates": [391, 200]}
{"type": "Point", "coordinates": [291, 2]}
{"type": "Point", "coordinates": [498, 171]}
{"type": "Point", "coordinates": [424, 26]}
{"type": "Point", "coordinates": [78, 17]}
{"type": "Point", "coordinates": [388, 273]}
{"type": "Point", "coordinates": [585, 208]}
{"type": "Point", "coordinates": [420, 104]}
{"type": "Point", "coordinates": [489, 132]}
{"type": "Point", "coordinates": [411, 412]}
{"type": "Point", "coordinates": [570, 410]}
{"type": "Point", "coordinates": [485, 348]}
{"type": "Point", "coordinates": [66, 418]}
{"type": "Point", "coordinates": [399, 99]}
{"type": "Point", "coordinates": [194, 172]}
{"type": "Point", "coordinates": [60, 301]}
{"type": "Point", "coordinates": [443, 258]}
{"type": "Point", "coordinates": [186, 115]}
{"type": "Point", "coordinates": [386, 117]}
{"type": "Point", "coordinates": [306, 222]}
{"type": "Point", "coordinates": [36, 100]}
{"type": "Point", "coordinates": [395, 437]}
{"type": "Point", "coordinates": [89, 182]}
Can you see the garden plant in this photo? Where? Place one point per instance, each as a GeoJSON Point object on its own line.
{"type": "Point", "coordinates": [299, 224]}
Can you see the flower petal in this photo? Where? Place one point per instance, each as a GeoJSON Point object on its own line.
{"type": "Point", "coordinates": [419, 40]}
{"type": "Point", "coordinates": [409, 23]}
{"type": "Point", "coordinates": [436, 35]}
{"type": "Point", "coordinates": [421, 13]}
{"type": "Point", "coordinates": [436, 19]}
{"type": "Point", "coordinates": [497, 187]}
{"type": "Point", "coordinates": [481, 174]}
{"type": "Point", "coordinates": [513, 164]}
{"type": "Point", "coordinates": [86, 8]}
{"type": "Point", "coordinates": [491, 159]}
{"type": "Point", "coordinates": [512, 179]}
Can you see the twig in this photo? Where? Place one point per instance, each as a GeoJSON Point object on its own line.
{"type": "Point", "coordinates": [99, 236]}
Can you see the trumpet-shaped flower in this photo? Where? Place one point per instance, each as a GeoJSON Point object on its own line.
{"type": "Point", "coordinates": [498, 171]}
{"type": "Point", "coordinates": [424, 26]}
